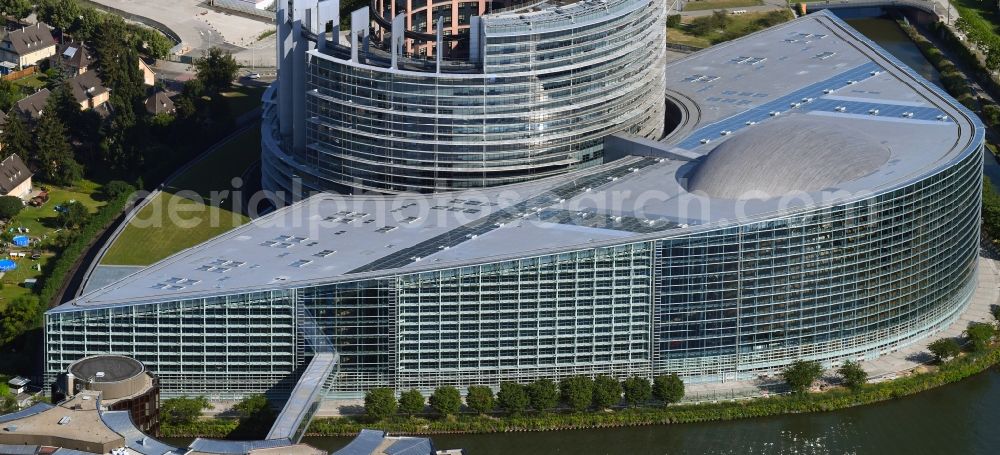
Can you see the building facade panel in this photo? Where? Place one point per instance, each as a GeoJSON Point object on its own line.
{"type": "Point", "coordinates": [850, 281]}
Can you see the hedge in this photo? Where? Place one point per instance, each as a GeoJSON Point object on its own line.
{"type": "Point", "coordinates": [52, 281]}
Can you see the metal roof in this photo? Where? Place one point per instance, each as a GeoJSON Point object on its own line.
{"type": "Point", "coordinates": [36, 408]}
{"type": "Point", "coordinates": [804, 70]}
{"type": "Point", "coordinates": [120, 422]}
{"type": "Point", "coordinates": [791, 154]}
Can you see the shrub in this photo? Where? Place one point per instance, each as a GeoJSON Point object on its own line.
{"type": "Point", "coordinates": [669, 388]}
{"type": "Point", "coordinates": [544, 395]}
{"type": "Point", "coordinates": [577, 392]}
{"type": "Point", "coordinates": [801, 374]}
{"type": "Point", "coordinates": [513, 397]}
{"type": "Point", "coordinates": [10, 206]}
{"type": "Point", "coordinates": [995, 309]}
{"type": "Point", "coordinates": [380, 403]}
{"type": "Point", "coordinates": [607, 392]}
{"type": "Point", "coordinates": [674, 21]}
{"type": "Point", "coordinates": [853, 376]}
{"type": "Point", "coordinates": [479, 398]}
{"type": "Point", "coordinates": [411, 402]}
{"type": "Point", "coordinates": [944, 349]}
{"type": "Point", "coordinates": [446, 400]}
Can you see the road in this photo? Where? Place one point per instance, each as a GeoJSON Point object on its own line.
{"type": "Point", "coordinates": [201, 28]}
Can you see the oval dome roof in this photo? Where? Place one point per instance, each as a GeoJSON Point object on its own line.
{"type": "Point", "coordinates": [791, 154]}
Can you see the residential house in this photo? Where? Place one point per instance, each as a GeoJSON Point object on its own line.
{"type": "Point", "coordinates": [31, 107]}
{"type": "Point", "coordinates": [159, 102]}
{"type": "Point", "coordinates": [74, 58]}
{"type": "Point", "coordinates": [15, 177]}
{"type": "Point", "coordinates": [28, 45]}
{"type": "Point", "coordinates": [148, 76]}
{"type": "Point", "coordinates": [89, 90]}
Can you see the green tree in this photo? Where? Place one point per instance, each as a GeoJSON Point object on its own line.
{"type": "Point", "coordinates": [637, 390]}
{"type": "Point", "coordinates": [800, 374]}
{"type": "Point", "coordinates": [19, 9]}
{"type": "Point", "coordinates": [65, 104]}
{"type": "Point", "coordinates": [9, 94]}
{"type": "Point", "coordinates": [544, 395]}
{"type": "Point", "coordinates": [216, 70]}
{"type": "Point", "coordinates": [16, 138]}
{"type": "Point", "coordinates": [944, 349]}
{"type": "Point", "coordinates": [254, 407]}
{"type": "Point", "coordinates": [20, 315]}
{"type": "Point", "coordinates": [54, 156]}
{"type": "Point", "coordinates": [73, 214]}
{"type": "Point", "coordinates": [10, 206]}
{"type": "Point", "coordinates": [182, 410]}
{"type": "Point", "coordinates": [513, 397]}
{"type": "Point", "coordinates": [58, 13]}
{"type": "Point", "coordinates": [87, 24]}
{"type": "Point", "coordinates": [151, 42]}
{"type": "Point", "coordinates": [991, 113]}
{"type": "Point", "coordinates": [607, 392]}
{"type": "Point", "coordinates": [118, 65]}
{"type": "Point", "coordinates": [8, 404]}
{"type": "Point", "coordinates": [411, 402]}
{"type": "Point", "coordinates": [995, 309]}
{"type": "Point", "coordinates": [446, 400]}
{"type": "Point", "coordinates": [380, 403]}
{"type": "Point", "coordinates": [853, 375]}
{"type": "Point", "coordinates": [980, 334]}
{"type": "Point", "coordinates": [116, 188]}
{"type": "Point", "coordinates": [577, 392]}
{"type": "Point", "coordinates": [479, 398]}
{"type": "Point", "coordinates": [668, 388]}
{"type": "Point", "coordinates": [993, 59]}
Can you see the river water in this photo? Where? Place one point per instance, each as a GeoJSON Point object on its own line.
{"type": "Point", "coordinates": [962, 418]}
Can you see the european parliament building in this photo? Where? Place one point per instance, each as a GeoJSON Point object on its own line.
{"type": "Point", "coordinates": [519, 90]}
{"type": "Point", "coordinates": [816, 199]}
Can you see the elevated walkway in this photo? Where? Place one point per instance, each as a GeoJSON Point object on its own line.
{"type": "Point", "coordinates": [305, 399]}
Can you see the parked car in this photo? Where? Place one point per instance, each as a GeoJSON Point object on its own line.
{"type": "Point", "coordinates": [253, 76]}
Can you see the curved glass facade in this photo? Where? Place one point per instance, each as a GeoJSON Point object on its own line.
{"type": "Point", "coordinates": [844, 282]}
{"type": "Point", "coordinates": [536, 103]}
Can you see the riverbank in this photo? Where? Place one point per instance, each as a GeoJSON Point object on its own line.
{"type": "Point", "coordinates": [831, 400]}
{"type": "Point", "coordinates": [834, 399]}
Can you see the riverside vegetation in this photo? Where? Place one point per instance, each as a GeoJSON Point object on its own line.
{"type": "Point", "coordinates": [581, 402]}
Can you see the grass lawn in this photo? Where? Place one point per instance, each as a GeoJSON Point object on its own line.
{"type": "Point", "coordinates": [985, 10]}
{"type": "Point", "coordinates": [31, 84]}
{"type": "Point", "coordinates": [243, 99]}
{"type": "Point", "coordinates": [187, 213]}
{"type": "Point", "coordinates": [698, 5]}
{"type": "Point", "coordinates": [737, 26]}
{"type": "Point", "coordinates": [41, 223]}
{"type": "Point", "coordinates": [679, 36]}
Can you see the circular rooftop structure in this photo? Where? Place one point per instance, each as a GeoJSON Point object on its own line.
{"type": "Point", "coordinates": [802, 153]}
{"type": "Point", "coordinates": [106, 368]}
{"type": "Point", "coordinates": [114, 376]}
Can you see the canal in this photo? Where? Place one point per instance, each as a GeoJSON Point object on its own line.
{"type": "Point", "coordinates": [962, 418]}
